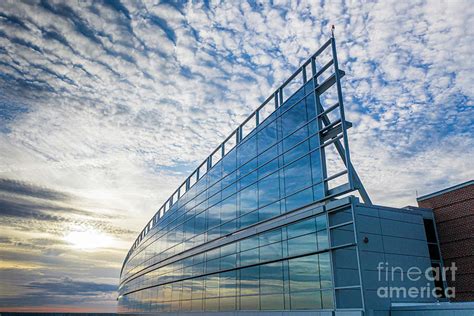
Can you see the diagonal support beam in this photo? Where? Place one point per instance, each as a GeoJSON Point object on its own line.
{"type": "Point", "coordinates": [355, 177]}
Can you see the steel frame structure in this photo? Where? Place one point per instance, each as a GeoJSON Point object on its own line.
{"type": "Point", "coordinates": [330, 133]}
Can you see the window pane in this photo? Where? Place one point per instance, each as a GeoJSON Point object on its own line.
{"type": "Point", "coordinates": [212, 285]}
{"type": "Point", "coordinates": [299, 199]}
{"type": "Point", "coordinates": [306, 300]}
{"type": "Point", "coordinates": [296, 152]}
{"type": "Point", "coordinates": [227, 283]}
{"type": "Point", "coordinates": [267, 136]}
{"type": "Point", "coordinates": [269, 211]}
{"type": "Point", "coordinates": [268, 155]}
{"type": "Point", "coordinates": [325, 270]}
{"type": "Point", "coordinates": [229, 209]}
{"type": "Point", "coordinates": [272, 302]}
{"type": "Point", "coordinates": [316, 166]}
{"type": "Point", "coordinates": [302, 245]}
{"type": "Point", "coordinates": [248, 180]}
{"type": "Point", "coordinates": [249, 219]}
{"type": "Point", "coordinates": [268, 189]}
{"type": "Point", "coordinates": [271, 252]}
{"type": "Point", "coordinates": [323, 239]}
{"type": "Point", "coordinates": [249, 281]}
{"type": "Point", "coordinates": [247, 150]}
{"type": "Point", "coordinates": [249, 243]}
{"type": "Point", "coordinates": [228, 262]}
{"type": "Point", "coordinates": [229, 162]}
{"type": "Point", "coordinates": [250, 302]}
{"type": "Point", "coordinates": [297, 175]}
{"type": "Point", "coordinates": [249, 257]}
{"type": "Point", "coordinates": [304, 273]}
{"type": "Point", "coordinates": [271, 278]}
{"type": "Point", "coordinates": [227, 304]}
{"type": "Point", "coordinates": [301, 228]}
{"type": "Point", "coordinates": [270, 237]}
{"type": "Point", "coordinates": [342, 235]}
{"type": "Point", "coordinates": [248, 199]}
{"type": "Point", "coordinates": [293, 118]}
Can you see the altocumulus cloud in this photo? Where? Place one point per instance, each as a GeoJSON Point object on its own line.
{"type": "Point", "coordinates": [105, 107]}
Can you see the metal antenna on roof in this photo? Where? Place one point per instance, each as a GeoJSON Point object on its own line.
{"type": "Point", "coordinates": [332, 30]}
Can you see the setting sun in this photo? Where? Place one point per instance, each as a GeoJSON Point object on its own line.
{"type": "Point", "coordinates": [88, 239]}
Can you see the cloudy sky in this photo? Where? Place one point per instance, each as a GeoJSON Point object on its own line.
{"type": "Point", "coordinates": [106, 107]}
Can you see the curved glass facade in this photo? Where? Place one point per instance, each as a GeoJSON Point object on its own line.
{"type": "Point", "coordinates": [223, 242]}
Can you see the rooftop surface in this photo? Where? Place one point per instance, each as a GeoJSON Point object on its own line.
{"type": "Point", "coordinates": [443, 191]}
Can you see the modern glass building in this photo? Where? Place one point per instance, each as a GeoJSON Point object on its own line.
{"type": "Point", "coordinates": [263, 225]}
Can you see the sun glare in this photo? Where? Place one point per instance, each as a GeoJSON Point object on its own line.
{"type": "Point", "coordinates": [88, 239]}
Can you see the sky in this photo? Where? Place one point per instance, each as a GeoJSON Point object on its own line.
{"type": "Point", "coordinates": [107, 106]}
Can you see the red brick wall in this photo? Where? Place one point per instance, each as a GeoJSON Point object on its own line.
{"type": "Point", "coordinates": [454, 214]}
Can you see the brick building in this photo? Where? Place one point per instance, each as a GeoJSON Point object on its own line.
{"type": "Point", "coordinates": [453, 209]}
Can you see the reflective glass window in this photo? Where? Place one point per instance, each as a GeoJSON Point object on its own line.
{"type": "Point", "coordinates": [302, 245]}
{"type": "Point", "coordinates": [250, 281]}
{"type": "Point", "coordinates": [248, 199]}
{"type": "Point", "coordinates": [268, 190]}
{"type": "Point", "coordinates": [299, 199]}
{"type": "Point", "coordinates": [247, 150]}
{"type": "Point", "coordinates": [271, 278]}
{"type": "Point", "coordinates": [267, 136]}
{"type": "Point", "coordinates": [301, 228]}
{"type": "Point", "coordinates": [304, 273]}
{"type": "Point", "coordinates": [293, 118]}
{"type": "Point", "coordinates": [297, 175]}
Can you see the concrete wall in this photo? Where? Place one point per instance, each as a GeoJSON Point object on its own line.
{"type": "Point", "coordinates": [439, 309]}
{"type": "Point", "coordinates": [393, 236]}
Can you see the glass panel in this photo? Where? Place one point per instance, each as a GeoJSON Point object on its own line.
{"type": "Point", "coordinates": [299, 199]}
{"type": "Point", "coordinates": [249, 243]}
{"type": "Point", "coordinates": [327, 299]}
{"type": "Point", "coordinates": [293, 118]}
{"type": "Point", "coordinates": [325, 270]}
{"type": "Point", "coordinates": [302, 245]}
{"type": "Point", "coordinates": [267, 137]}
{"type": "Point", "coordinates": [249, 281]}
{"type": "Point", "coordinates": [306, 300]}
{"type": "Point", "coordinates": [229, 208]}
{"type": "Point", "coordinates": [227, 304]}
{"type": "Point", "coordinates": [270, 237]}
{"type": "Point", "coordinates": [271, 278]}
{"type": "Point", "coordinates": [342, 235]}
{"type": "Point", "coordinates": [228, 262]}
{"type": "Point", "coordinates": [249, 257]}
{"type": "Point", "coordinates": [304, 273]}
{"type": "Point", "coordinates": [269, 211]}
{"type": "Point", "coordinates": [297, 175]}
{"type": "Point", "coordinates": [268, 155]}
{"type": "Point", "coordinates": [316, 166]}
{"type": "Point", "coordinates": [296, 152]}
{"type": "Point", "coordinates": [247, 150]}
{"type": "Point", "coordinates": [249, 219]}
{"type": "Point", "coordinates": [248, 199]}
{"type": "Point", "coordinates": [249, 302]}
{"type": "Point", "coordinates": [268, 190]}
{"type": "Point", "coordinates": [272, 302]}
{"type": "Point", "coordinates": [323, 242]}
{"type": "Point", "coordinates": [229, 162]}
{"type": "Point", "coordinates": [271, 252]}
{"type": "Point", "coordinates": [301, 228]}
{"type": "Point", "coordinates": [227, 283]}
{"type": "Point", "coordinates": [212, 285]}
